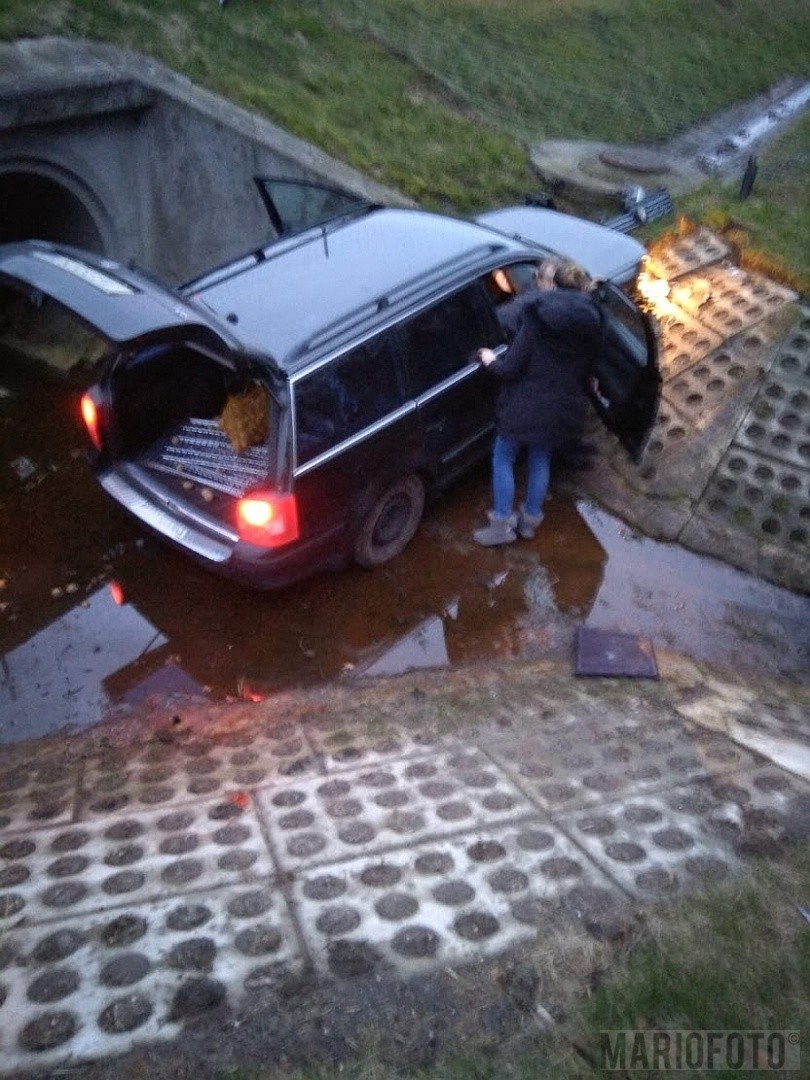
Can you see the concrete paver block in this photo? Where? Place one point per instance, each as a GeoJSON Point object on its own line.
{"type": "Point", "coordinates": [364, 848]}
{"type": "Point", "coordinates": [450, 899]}
{"type": "Point", "coordinates": [89, 986]}
{"type": "Point", "coordinates": [317, 820]}
{"type": "Point", "coordinates": [701, 247]}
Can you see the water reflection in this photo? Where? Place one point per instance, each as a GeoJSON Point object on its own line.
{"type": "Point", "coordinates": [56, 678]}
{"type": "Point", "coordinates": [423, 647]}
{"type": "Point", "coordinates": [696, 605]}
{"type": "Point", "coordinates": [70, 655]}
{"type": "Point", "coordinates": [177, 630]}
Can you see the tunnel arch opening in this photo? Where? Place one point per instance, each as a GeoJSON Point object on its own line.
{"type": "Point", "coordinates": [34, 206]}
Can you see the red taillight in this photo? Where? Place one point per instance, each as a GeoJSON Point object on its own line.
{"type": "Point", "coordinates": [92, 419]}
{"type": "Point", "coordinates": [268, 519]}
{"type": "Point", "coordinates": [117, 593]}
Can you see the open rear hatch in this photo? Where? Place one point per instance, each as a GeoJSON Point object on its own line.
{"type": "Point", "coordinates": [181, 417]}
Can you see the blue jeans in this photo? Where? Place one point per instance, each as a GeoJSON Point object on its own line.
{"type": "Point", "coordinates": [504, 455]}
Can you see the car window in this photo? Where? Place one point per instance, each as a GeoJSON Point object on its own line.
{"type": "Point", "coordinates": [345, 396]}
{"type": "Point", "coordinates": [294, 205]}
{"type": "Point", "coordinates": [444, 339]}
{"type": "Point", "coordinates": [504, 286]}
{"type": "Point", "coordinates": [507, 282]}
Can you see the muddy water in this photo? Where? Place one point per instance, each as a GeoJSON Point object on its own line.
{"type": "Point", "coordinates": [96, 617]}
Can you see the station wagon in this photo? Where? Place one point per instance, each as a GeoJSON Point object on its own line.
{"type": "Point", "coordinates": [291, 411]}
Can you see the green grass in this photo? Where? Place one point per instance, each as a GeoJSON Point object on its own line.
{"type": "Point", "coordinates": [441, 100]}
{"type": "Point", "coordinates": [736, 958]}
{"type": "Point", "coordinates": [607, 69]}
{"type": "Point", "coordinates": [774, 218]}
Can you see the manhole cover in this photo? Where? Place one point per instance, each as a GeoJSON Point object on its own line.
{"type": "Point", "coordinates": [609, 652]}
{"type": "Point", "coordinates": [635, 159]}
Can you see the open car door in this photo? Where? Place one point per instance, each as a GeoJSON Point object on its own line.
{"type": "Point", "coordinates": [628, 377]}
{"type": "Point", "coordinates": [296, 205]}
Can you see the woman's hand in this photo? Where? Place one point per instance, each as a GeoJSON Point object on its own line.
{"type": "Point", "coordinates": [486, 356]}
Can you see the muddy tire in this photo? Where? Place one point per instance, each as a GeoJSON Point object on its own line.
{"type": "Point", "coordinates": [390, 523]}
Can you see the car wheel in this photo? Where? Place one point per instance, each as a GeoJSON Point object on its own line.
{"type": "Point", "coordinates": [390, 524]}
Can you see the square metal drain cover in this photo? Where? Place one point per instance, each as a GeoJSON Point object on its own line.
{"type": "Point", "coordinates": [610, 652]}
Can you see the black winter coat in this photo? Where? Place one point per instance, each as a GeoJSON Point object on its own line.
{"type": "Point", "coordinates": [544, 373]}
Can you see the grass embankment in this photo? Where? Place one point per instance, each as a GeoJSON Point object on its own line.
{"type": "Point", "coordinates": [442, 101]}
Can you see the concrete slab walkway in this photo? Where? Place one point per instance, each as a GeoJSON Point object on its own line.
{"type": "Point", "coordinates": [154, 871]}
{"type": "Point", "coordinates": [726, 471]}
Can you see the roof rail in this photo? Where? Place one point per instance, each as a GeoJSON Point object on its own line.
{"type": "Point", "coordinates": [409, 292]}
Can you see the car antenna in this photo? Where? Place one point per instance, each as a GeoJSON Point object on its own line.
{"type": "Point", "coordinates": [325, 243]}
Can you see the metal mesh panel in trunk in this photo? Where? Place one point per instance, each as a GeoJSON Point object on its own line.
{"type": "Point", "coordinates": [201, 452]}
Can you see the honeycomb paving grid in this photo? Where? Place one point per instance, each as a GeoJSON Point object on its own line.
{"type": "Point", "coordinates": [669, 841]}
{"type": "Point", "coordinates": [87, 987]}
{"type": "Point", "coordinates": [129, 859]}
{"type": "Point", "coordinates": [324, 819]}
{"type": "Point", "coordinates": [700, 389]}
{"type": "Point", "coordinates": [678, 455]}
{"type": "Point", "coordinates": [669, 437]}
{"type": "Point", "coordinates": [684, 340]}
{"type": "Point", "coordinates": [471, 850]}
{"type": "Point", "coordinates": [681, 447]}
{"type": "Point", "coordinates": [591, 762]}
{"type": "Point", "coordinates": [37, 793]}
{"type": "Point", "coordinates": [698, 248]}
{"type": "Point", "coordinates": [651, 848]}
{"type": "Point", "coordinates": [762, 496]}
{"type": "Point", "coordinates": [179, 772]}
{"type": "Point", "coordinates": [778, 426]}
{"type": "Point", "coordinates": [450, 899]}
{"type": "Point", "coordinates": [732, 299]}
{"type": "Point", "coordinates": [793, 364]}
{"type": "Point", "coordinates": [766, 798]}
{"type": "Point", "coordinates": [344, 746]}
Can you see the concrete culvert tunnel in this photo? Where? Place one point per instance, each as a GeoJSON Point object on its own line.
{"type": "Point", "coordinates": [35, 206]}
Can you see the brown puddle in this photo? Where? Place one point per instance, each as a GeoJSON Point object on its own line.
{"type": "Point", "coordinates": [71, 655]}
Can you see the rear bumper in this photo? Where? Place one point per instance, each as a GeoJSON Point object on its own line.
{"type": "Point", "coordinates": [214, 544]}
{"type": "Point", "coordinates": [206, 540]}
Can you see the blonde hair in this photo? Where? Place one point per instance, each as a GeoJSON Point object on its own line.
{"type": "Point", "coordinates": [570, 275]}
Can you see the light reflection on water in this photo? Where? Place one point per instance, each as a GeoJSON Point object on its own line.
{"type": "Point", "coordinates": [57, 677]}
{"type": "Point", "coordinates": [73, 658]}
{"type": "Point", "coordinates": [696, 605]}
{"type": "Point", "coordinates": [444, 602]}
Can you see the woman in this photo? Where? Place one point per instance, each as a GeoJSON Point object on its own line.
{"type": "Point", "coordinates": [542, 401]}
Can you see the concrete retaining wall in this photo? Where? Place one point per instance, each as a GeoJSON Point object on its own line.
{"type": "Point", "coordinates": [108, 150]}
